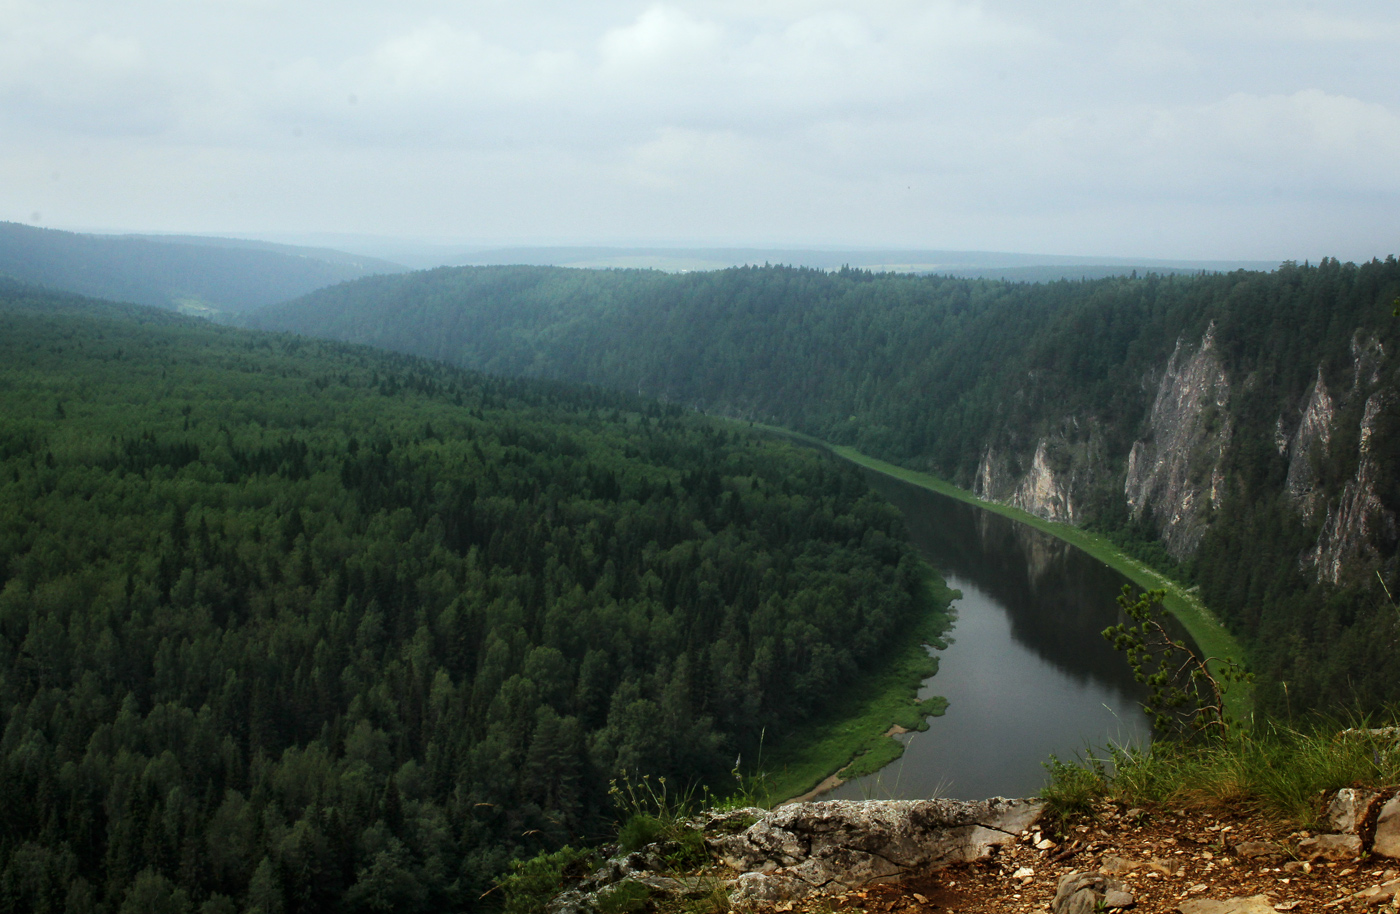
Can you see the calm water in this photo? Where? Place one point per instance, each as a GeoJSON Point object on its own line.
{"type": "Point", "coordinates": [1027, 673]}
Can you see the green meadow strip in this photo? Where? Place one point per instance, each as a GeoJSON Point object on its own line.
{"type": "Point", "coordinates": [1205, 629]}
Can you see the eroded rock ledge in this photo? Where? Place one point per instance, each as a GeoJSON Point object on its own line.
{"type": "Point", "coordinates": [839, 844]}
{"type": "Point", "coordinates": [786, 854]}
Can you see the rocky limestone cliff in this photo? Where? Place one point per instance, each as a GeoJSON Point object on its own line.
{"type": "Point", "coordinates": [1042, 494]}
{"type": "Point", "coordinates": [1063, 467]}
{"type": "Point", "coordinates": [1355, 526]}
{"type": "Point", "coordinates": [1308, 447]}
{"type": "Point", "coordinates": [1357, 520]}
{"type": "Point", "coordinates": [1175, 472]}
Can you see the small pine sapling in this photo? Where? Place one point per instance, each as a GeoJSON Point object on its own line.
{"type": "Point", "coordinates": [1184, 695]}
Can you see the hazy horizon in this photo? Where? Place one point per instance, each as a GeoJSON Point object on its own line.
{"type": "Point", "coordinates": [1261, 131]}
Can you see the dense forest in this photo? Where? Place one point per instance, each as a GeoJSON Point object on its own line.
{"type": "Point", "coordinates": [199, 275]}
{"type": "Point", "coordinates": [942, 374]}
{"type": "Point", "coordinates": [290, 625]}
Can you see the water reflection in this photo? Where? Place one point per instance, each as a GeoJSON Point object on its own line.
{"type": "Point", "coordinates": [1028, 673]}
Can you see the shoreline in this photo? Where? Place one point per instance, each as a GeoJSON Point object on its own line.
{"type": "Point", "coordinates": [856, 738]}
{"type": "Point", "coordinates": [1209, 633]}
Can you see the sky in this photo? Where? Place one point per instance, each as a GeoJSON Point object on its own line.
{"type": "Point", "coordinates": [1207, 129]}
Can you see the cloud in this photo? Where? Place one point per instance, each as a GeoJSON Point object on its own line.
{"type": "Point", "coordinates": [887, 121]}
{"type": "Point", "coordinates": [1235, 145]}
{"type": "Point", "coordinates": [662, 37]}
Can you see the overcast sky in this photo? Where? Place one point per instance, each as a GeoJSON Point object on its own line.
{"type": "Point", "coordinates": [1263, 129]}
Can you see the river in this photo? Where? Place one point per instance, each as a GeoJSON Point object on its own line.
{"type": "Point", "coordinates": [1026, 674]}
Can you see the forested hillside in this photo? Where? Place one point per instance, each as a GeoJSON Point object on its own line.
{"type": "Point", "coordinates": [299, 626]}
{"type": "Point", "coordinates": [1243, 428]}
{"type": "Point", "coordinates": [197, 275]}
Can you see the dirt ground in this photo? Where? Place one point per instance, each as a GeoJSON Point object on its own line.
{"type": "Point", "coordinates": [1164, 857]}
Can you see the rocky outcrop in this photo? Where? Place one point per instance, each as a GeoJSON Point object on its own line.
{"type": "Point", "coordinates": [1088, 893]}
{"type": "Point", "coordinates": [772, 858]}
{"type": "Point", "coordinates": [1358, 520]}
{"type": "Point", "coordinates": [1308, 448]}
{"type": "Point", "coordinates": [1175, 472]}
{"type": "Point", "coordinates": [1362, 821]}
{"type": "Point", "coordinates": [1065, 464]}
{"type": "Point", "coordinates": [1042, 494]}
{"type": "Point", "coordinates": [804, 848]}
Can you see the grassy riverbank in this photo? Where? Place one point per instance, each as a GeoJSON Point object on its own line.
{"type": "Point", "coordinates": [850, 738]}
{"type": "Point", "coordinates": [1207, 631]}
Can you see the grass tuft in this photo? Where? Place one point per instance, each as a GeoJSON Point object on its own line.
{"type": "Point", "coordinates": [1277, 771]}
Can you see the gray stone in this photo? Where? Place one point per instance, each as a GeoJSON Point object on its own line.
{"type": "Point", "coordinates": [1117, 866]}
{"type": "Point", "coordinates": [1085, 893]}
{"type": "Point", "coordinates": [1378, 894]}
{"type": "Point", "coordinates": [1348, 808]}
{"type": "Point", "coordinates": [1330, 847]}
{"type": "Point", "coordinates": [1167, 866]}
{"type": "Point", "coordinates": [1254, 850]}
{"type": "Point", "coordinates": [1254, 904]}
{"type": "Point", "coordinates": [800, 848]}
{"type": "Point", "coordinates": [1387, 840]}
{"type": "Point", "coordinates": [729, 822]}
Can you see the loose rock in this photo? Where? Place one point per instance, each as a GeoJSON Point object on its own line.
{"type": "Point", "coordinates": [1085, 893]}
{"type": "Point", "coordinates": [1254, 904]}
{"type": "Point", "coordinates": [1255, 850]}
{"type": "Point", "coordinates": [1330, 847]}
{"type": "Point", "coordinates": [1387, 840]}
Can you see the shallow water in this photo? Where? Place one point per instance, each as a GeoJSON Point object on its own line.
{"type": "Point", "coordinates": [1027, 673]}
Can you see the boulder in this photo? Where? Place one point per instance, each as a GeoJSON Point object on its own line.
{"type": "Point", "coordinates": [1086, 893]}
{"type": "Point", "coordinates": [802, 848]}
{"type": "Point", "coordinates": [1330, 847]}
{"type": "Point", "coordinates": [1348, 808]}
{"type": "Point", "coordinates": [1387, 840]}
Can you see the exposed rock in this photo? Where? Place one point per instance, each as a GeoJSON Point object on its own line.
{"type": "Point", "coordinates": [1085, 893]}
{"type": "Point", "coordinates": [1309, 447]}
{"type": "Point", "coordinates": [1378, 894]}
{"type": "Point", "coordinates": [1367, 356]}
{"type": "Point", "coordinates": [1176, 472]}
{"type": "Point", "coordinates": [1052, 480]}
{"type": "Point", "coordinates": [1358, 520]}
{"type": "Point", "coordinates": [1255, 850]}
{"type": "Point", "coordinates": [1330, 847]}
{"type": "Point", "coordinates": [1254, 904]}
{"type": "Point", "coordinates": [1387, 840]}
{"type": "Point", "coordinates": [1041, 493]}
{"type": "Point", "coordinates": [796, 850]}
{"type": "Point", "coordinates": [990, 483]}
{"type": "Point", "coordinates": [1167, 866]}
{"type": "Point", "coordinates": [1117, 866]}
{"type": "Point", "coordinates": [1348, 809]}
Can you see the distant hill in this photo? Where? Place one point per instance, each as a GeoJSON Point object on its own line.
{"type": "Point", "coordinates": [1011, 266]}
{"type": "Point", "coordinates": [186, 273]}
{"type": "Point", "coordinates": [971, 264]}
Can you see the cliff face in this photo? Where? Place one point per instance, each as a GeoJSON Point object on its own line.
{"type": "Point", "coordinates": [1174, 473]}
{"type": "Point", "coordinates": [1353, 522]}
{"type": "Point", "coordinates": [1055, 483]}
{"type": "Point", "coordinates": [1309, 447]}
{"type": "Point", "coordinates": [1357, 521]}
{"type": "Point", "coordinates": [1176, 470]}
